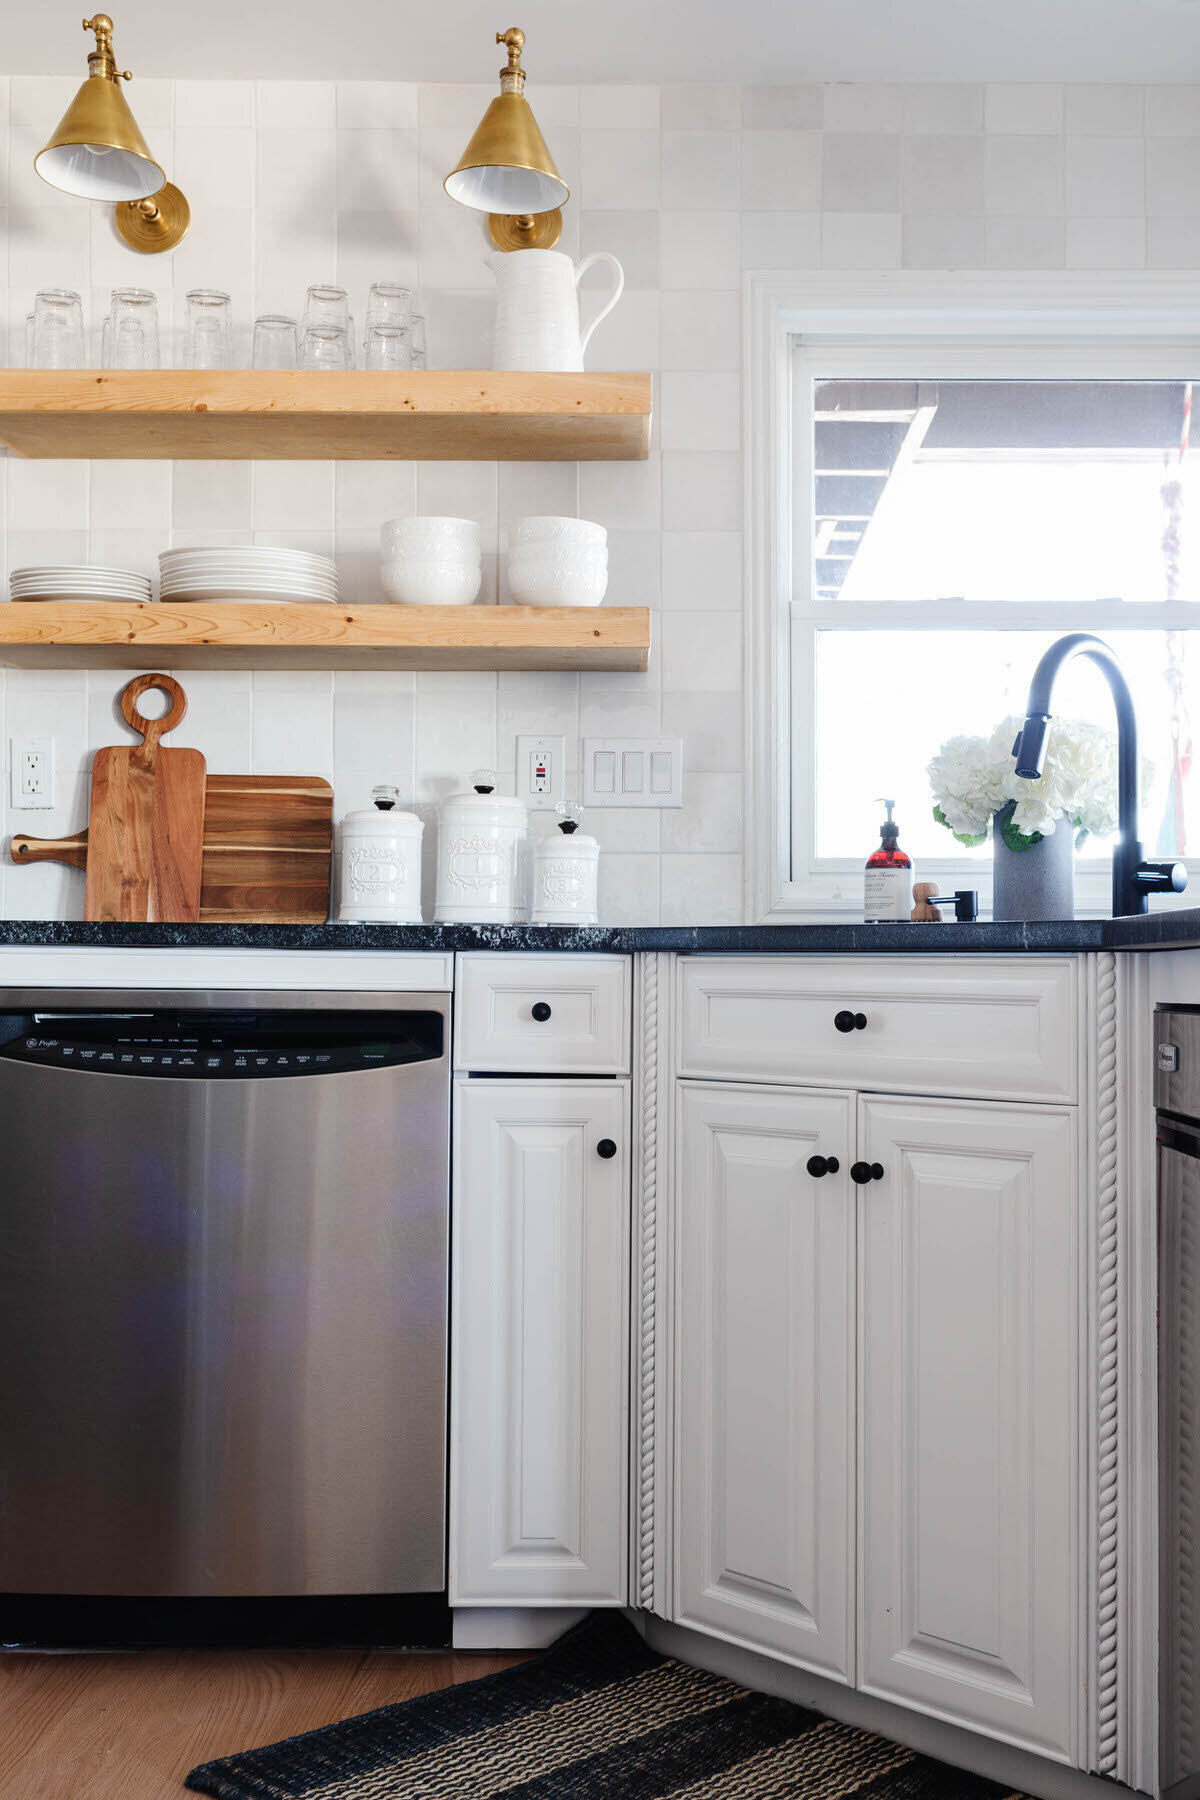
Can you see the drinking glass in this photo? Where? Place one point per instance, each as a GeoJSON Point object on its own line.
{"type": "Point", "coordinates": [275, 342]}
{"type": "Point", "coordinates": [389, 304]}
{"type": "Point", "coordinates": [387, 347]}
{"type": "Point", "coordinates": [130, 336]}
{"type": "Point", "coordinates": [418, 342]}
{"type": "Point", "coordinates": [208, 330]}
{"type": "Point", "coordinates": [328, 307]}
{"type": "Point", "coordinates": [57, 335]}
{"type": "Point", "coordinates": [326, 347]}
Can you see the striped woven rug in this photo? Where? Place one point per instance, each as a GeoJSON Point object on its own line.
{"type": "Point", "coordinates": [596, 1717]}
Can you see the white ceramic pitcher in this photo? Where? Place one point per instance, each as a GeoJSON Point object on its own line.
{"type": "Point", "coordinates": [537, 308]}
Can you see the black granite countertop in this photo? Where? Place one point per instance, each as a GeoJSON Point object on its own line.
{"type": "Point", "coordinates": [1166, 930]}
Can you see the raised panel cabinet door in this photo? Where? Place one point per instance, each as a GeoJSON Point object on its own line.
{"type": "Point", "coordinates": [969, 1456]}
{"type": "Point", "coordinates": [765, 1371]}
{"type": "Point", "coordinates": [540, 1342]}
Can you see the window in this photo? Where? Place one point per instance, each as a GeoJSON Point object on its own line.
{"type": "Point", "coordinates": [958, 494]}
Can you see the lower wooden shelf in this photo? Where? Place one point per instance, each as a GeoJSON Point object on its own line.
{"type": "Point", "coordinates": [246, 635]}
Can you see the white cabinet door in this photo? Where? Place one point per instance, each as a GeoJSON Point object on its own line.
{"type": "Point", "coordinates": [969, 1361]}
{"type": "Point", "coordinates": [540, 1361]}
{"type": "Point", "coordinates": [765, 1372]}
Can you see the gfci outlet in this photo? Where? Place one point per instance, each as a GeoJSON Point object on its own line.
{"type": "Point", "coordinates": [32, 765]}
{"type": "Point", "coordinates": [541, 770]}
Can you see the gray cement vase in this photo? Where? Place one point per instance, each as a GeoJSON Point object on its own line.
{"type": "Point", "coordinates": [1038, 883]}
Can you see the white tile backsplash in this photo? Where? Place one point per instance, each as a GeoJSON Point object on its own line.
{"type": "Point", "coordinates": [294, 182]}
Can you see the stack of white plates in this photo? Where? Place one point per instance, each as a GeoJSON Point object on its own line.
{"type": "Point", "coordinates": [78, 581]}
{"type": "Point", "coordinates": [246, 572]}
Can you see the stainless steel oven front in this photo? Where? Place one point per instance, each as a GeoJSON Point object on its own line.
{"type": "Point", "coordinates": [223, 1293]}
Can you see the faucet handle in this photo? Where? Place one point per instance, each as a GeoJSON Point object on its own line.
{"type": "Point", "coordinates": [1161, 877]}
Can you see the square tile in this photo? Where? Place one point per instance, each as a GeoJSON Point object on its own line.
{"type": "Point", "coordinates": [1017, 243]}
{"type": "Point", "coordinates": [942, 242]}
{"type": "Point", "coordinates": [711, 817]}
{"type": "Point", "coordinates": [627, 889]}
{"type": "Point", "coordinates": [1028, 107]}
{"type": "Point", "coordinates": [702, 650]}
{"type": "Point", "coordinates": [217, 104]}
{"type": "Point", "coordinates": [702, 491]}
{"type": "Point", "coordinates": [1105, 177]}
{"type": "Point", "coordinates": [782, 108]}
{"type": "Point", "coordinates": [1173, 111]}
{"type": "Point", "coordinates": [701, 890]}
{"type": "Point", "coordinates": [292, 496]}
{"type": "Point", "coordinates": [941, 175]}
{"type": "Point", "coordinates": [619, 106]}
{"type": "Point", "coordinates": [860, 241]}
{"type": "Point", "coordinates": [295, 105]}
{"type": "Point", "coordinates": [781, 240]}
{"type": "Point", "coordinates": [711, 728]}
{"type": "Point", "coordinates": [373, 724]}
{"type": "Point", "coordinates": [628, 338]}
{"type": "Point", "coordinates": [1173, 243]}
{"type": "Point", "coordinates": [702, 330]}
{"type": "Point", "coordinates": [781, 171]}
{"type": "Point", "coordinates": [377, 171]}
{"type": "Point", "coordinates": [623, 495]}
{"type": "Point", "coordinates": [1106, 243]}
{"type": "Point", "coordinates": [700, 411]}
{"type": "Point", "coordinates": [632, 237]}
{"type": "Point", "coordinates": [619, 169]}
{"type": "Point", "coordinates": [1024, 175]}
{"type": "Point", "coordinates": [701, 169]}
{"type": "Point", "coordinates": [211, 496]}
{"type": "Point", "coordinates": [377, 105]}
{"type": "Point", "coordinates": [862, 106]}
{"type": "Point", "coordinates": [1106, 109]}
{"type": "Point", "coordinates": [688, 106]}
{"type": "Point", "coordinates": [702, 571]}
{"type": "Point", "coordinates": [701, 250]}
{"type": "Point", "coordinates": [942, 106]}
{"type": "Point", "coordinates": [1172, 173]}
{"type": "Point", "coordinates": [860, 173]}
{"type": "Point", "coordinates": [292, 732]}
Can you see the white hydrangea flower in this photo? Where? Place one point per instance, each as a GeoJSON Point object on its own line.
{"type": "Point", "coordinates": [973, 778]}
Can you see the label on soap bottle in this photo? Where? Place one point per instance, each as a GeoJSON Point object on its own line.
{"type": "Point", "coordinates": [887, 893]}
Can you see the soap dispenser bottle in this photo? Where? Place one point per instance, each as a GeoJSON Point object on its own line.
{"type": "Point", "coordinates": [888, 887]}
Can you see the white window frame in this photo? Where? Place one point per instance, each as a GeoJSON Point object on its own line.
{"type": "Point", "coordinates": [1117, 326]}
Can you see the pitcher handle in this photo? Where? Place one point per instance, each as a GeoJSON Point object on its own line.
{"type": "Point", "coordinates": [619, 289]}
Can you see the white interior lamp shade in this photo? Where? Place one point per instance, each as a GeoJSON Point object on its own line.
{"type": "Point", "coordinates": [500, 188]}
{"type": "Point", "coordinates": [99, 172]}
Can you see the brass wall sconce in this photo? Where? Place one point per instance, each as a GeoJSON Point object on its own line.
{"type": "Point", "coordinates": [506, 170]}
{"type": "Point", "coordinates": [97, 152]}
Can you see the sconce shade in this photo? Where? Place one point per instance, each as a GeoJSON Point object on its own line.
{"type": "Point", "coordinates": [506, 167]}
{"type": "Point", "coordinates": [97, 150]}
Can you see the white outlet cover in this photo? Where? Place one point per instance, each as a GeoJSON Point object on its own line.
{"type": "Point", "coordinates": [553, 749]}
{"type": "Point", "coordinates": [633, 772]}
{"type": "Point", "coordinates": [19, 800]}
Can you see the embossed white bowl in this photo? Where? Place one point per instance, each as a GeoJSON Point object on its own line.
{"type": "Point", "coordinates": [558, 581]}
{"type": "Point", "coordinates": [566, 533]}
{"type": "Point", "coordinates": [430, 537]}
{"type": "Point", "coordinates": [416, 581]}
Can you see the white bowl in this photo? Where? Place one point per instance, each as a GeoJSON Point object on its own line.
{"type": "Point", "coordinates": [545, 528]}
{"type": "Point", "coordinates": [415, 581]}
{"type": "Point", "coordinates": [527, 565]}
{"type": "Point", "coordinates": [397, 533]}
{"type": "Point", "coordinates": [557, 586]}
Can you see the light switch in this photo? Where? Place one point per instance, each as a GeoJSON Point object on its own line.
{"type": "Point", "coordinates": [633, 772]}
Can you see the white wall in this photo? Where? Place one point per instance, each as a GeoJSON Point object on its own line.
{"type": "Point", "coordinates": [299, 182]}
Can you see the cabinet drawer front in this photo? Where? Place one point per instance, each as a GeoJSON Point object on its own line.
{"type": "Point", "coordinates": [1000, 1027]}
{"type": "Point", "coordinates": [581, 1024]}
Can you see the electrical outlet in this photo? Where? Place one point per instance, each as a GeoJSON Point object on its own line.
{"type": "Point", "coordinates": [32, 764]}
{"type": "Point", "coordinates": [541, 770]}
{"type": "Point", "coordinates": [633, 772]}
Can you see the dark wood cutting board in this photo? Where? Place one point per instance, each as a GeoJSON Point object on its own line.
{"type": "Point", "coordinates": [146, 819]}
{"type": "Point", "coordinates": [268, 842]}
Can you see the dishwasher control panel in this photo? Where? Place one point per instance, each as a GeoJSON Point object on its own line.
{"type": "Point", "coordinates": [201, 1047]}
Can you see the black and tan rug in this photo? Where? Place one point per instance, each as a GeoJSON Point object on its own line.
{"type": "Point", "coordinates": [596, 1717]}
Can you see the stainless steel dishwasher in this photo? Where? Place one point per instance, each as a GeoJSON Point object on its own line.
{"type": "Point", "coordinates": [223, 1293]}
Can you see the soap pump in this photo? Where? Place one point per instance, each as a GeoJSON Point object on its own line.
{"type": "Point", "coordinates": [887, 889]}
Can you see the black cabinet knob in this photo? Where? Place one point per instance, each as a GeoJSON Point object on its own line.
{"type": "Point", "coordinates": [850, 1021]}
{"type": "Point", "coordinates": [822, 1165]}
{"type": "Point", "coordinates": [863, 1172]}
{"type": "Point", "coordinates": [540, 1011]}
{"type": "Point", "coordinates": [606, 1148]}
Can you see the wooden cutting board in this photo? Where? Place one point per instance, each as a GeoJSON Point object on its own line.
{"type": "Point", "coordinates": [146, 820]}
{"type": "Point", "coordinates": [268, 843]}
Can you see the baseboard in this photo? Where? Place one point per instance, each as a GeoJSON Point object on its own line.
{"type": "Point", "coordinates": [512, 1627]}
{"type": "Point", "coordinates": [1019, 1770]}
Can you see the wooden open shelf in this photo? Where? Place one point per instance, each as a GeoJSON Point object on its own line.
{"type": "Point", "coordinates": [464, 415]}
{"type": "Point", "coordinates": [245, 635]}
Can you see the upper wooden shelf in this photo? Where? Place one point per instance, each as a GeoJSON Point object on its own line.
{"type": "Point", "coordinates": [37, 634]}
{"type": "Point", "coordinates": [462, 415]}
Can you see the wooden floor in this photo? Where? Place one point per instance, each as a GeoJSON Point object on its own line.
{"type": "Point", "coordinates": [102, 1727]}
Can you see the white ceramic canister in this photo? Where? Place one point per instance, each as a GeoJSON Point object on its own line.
{"type": "Point", "coordinates": [481, 859]}
{"type": "Point", "coordinates": [565, 866]}
{"type": "Point", "coordinates": [381, 865]}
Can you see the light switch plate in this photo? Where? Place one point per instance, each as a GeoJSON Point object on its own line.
{"type": "Point", "coordinates": [633, 772]}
